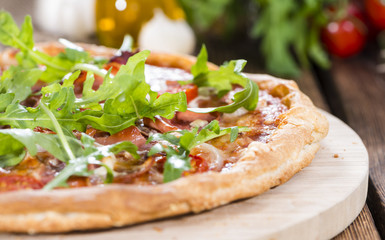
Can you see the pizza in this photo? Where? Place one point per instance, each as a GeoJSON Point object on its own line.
{"type": "Point", "coordinates": [94, 138]}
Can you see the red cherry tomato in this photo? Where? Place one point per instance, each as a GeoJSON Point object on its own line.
{"type": "Point", "coordinates": [345, 37]}
{"type": "Point", "coordinates": [375, 10]}
{"type": "Point", "coordinates": [131, 134]}
{"type": "Point", "coordinates": [198, 165]}
{"type": "Point", "coordinates": [191, 91]}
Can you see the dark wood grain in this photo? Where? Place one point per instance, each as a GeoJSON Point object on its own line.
{"type": "Point", "coordinates": [362, 228]}
{"type": "Point", "coordinates": [330, 92]}
{"type": "Point", "coordinates": [362, 93]}
{"type": "Point", "coordinates": [309, 85]}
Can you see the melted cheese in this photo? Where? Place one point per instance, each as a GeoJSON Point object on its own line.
{"type": "Point", "coordinates": [157, 77]}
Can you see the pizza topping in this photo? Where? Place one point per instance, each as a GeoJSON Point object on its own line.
{"type": "Point", "coordinates": [137, 172]}
{"type": "Point", "coordinates": [222, 81]}
{"type": "Point", "coordinates": [161, 124]}
{"type": "Point", "coordinates": [198, 165]}
{"type": "Point", "coordinates": [18, 182]}
{"type": "Point", "coordinates": [190, 116]}
{"type": "Point", "coordinates": [124, 121]}
{"type": "Point", "coordinates": [131, 134]}
{"type": "Point", "coordinates": [161, 77]}
{"type": "Point", "coordinates": [213, 156]}
{"type": "Point", "coordinates": [55, 67]}
{"type": "Point", "coordinates": [178, 148]}
{"type": "Point", "coordinates": [122, 58]}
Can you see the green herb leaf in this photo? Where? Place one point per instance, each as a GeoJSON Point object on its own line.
{"type": "Point", "coordinates": [11, 151]}
{"type": "Point", "coordinates": [15, 140]}
{"type": "Point", "coordinates": [59, 132]}
{"type": "Point", "coordinates": [5, 100]}
{"type": "Point", "coordinates": [56, 67]}
{"type": "Point", "coordinates": [19, 81]}
{"type": "Point", "coordinates": [247, 98]}
{"type": "Point", "coordinates": [178, 148]}
{"type": "Point", "coordinates": [203, 13]}
{"type": "Point", "coordinates": [280, 45]}
{"type": "Point", "coordinates": [133, 99]}
{"type": "Point", "coordinates": [91, 155]}
{"type": "Point", "coordinates": [210, 131]}
{"type": "Point", "coordinates": [200, 66]}
{"type": "Point", "coordinates": [127, 98]}
{"type": "Point", "coordinates": [222, 81]}
{"type": "Point", "coordinates": [177, 162]}
{"type": "Point", "coordinates": [11, 35]}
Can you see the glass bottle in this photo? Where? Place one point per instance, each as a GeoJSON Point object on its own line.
{"type": "Point", "coordinates": [116, 18]}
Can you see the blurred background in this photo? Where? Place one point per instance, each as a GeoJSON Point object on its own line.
{"type": "Point", "coordinates": [280, 37]}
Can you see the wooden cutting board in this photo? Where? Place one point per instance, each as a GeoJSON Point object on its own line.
{"type": "Point", "coordinates": [317, 203]}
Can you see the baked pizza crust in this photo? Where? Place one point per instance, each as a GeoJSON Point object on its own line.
{"type": "Point", "coordinates": [262, 166]}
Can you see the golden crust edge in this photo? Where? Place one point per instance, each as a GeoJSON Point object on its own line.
{"type": "Point", "coordinates": [174, 199]}
{"type": "Point", "coordinates": [53, 221]}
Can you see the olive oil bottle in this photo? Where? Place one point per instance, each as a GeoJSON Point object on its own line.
{"type": "Point", "coordinates": [116, 18]}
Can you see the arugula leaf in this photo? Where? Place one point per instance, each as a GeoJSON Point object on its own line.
{"type": "Point", "coordinates": [117, 114]}
{"type": "Point", "coordinates": [18, 116]}
{"type": "Point", "coordinates": [128, 98]}
{"type": "Point", "coordinates": [11, 157]}
{"type": "Point", "coordinates": [200, 66]}
{"type": "Point", "coordinates": [111, 123]}
{"type": "Point", "coordinates": [60, 101]}
{"type": "Point", "coordinates": [166, 105]}
{"type": "Point", "coordinates": [125, 80]}
{"type": "Point", "coordinates": [179, 148]}
{"type": "Point", "coordinates": [222, 81]}
{"type": "Point", "coordinates": [75, 167]}
{"type": "Point", "coordinates": [5, 100]}
{"type": "Point", "coordinates": [19, 81]}
{"type": "Point", "coordinates": [22, 39]}
{"type": "Point", "coordinates": [247, 98]}
{"type": "Point", "coordinates": [210, 131]}
{"type": "Point", "coordinates": [75, 55]}
{"type": "Point", "coordinates": [177, 162]}
{"type": "Point", "coordinates": [59, 131]}
{"type": "Point", "coordinates": [11, 35]}
{"type": "Point", "coordinates": [12, 142]}
{"type": "Point", "coordinates": [56, 67]}
{"type": "Point", "coordinates": [91, 155]}
{"type": "Point", "coordinates": [11, 151]}
{"type": "Point", "coordinates": [68, 149]}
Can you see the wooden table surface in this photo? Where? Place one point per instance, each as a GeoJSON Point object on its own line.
{"type": "Point", "coordinates": [351, 90]}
